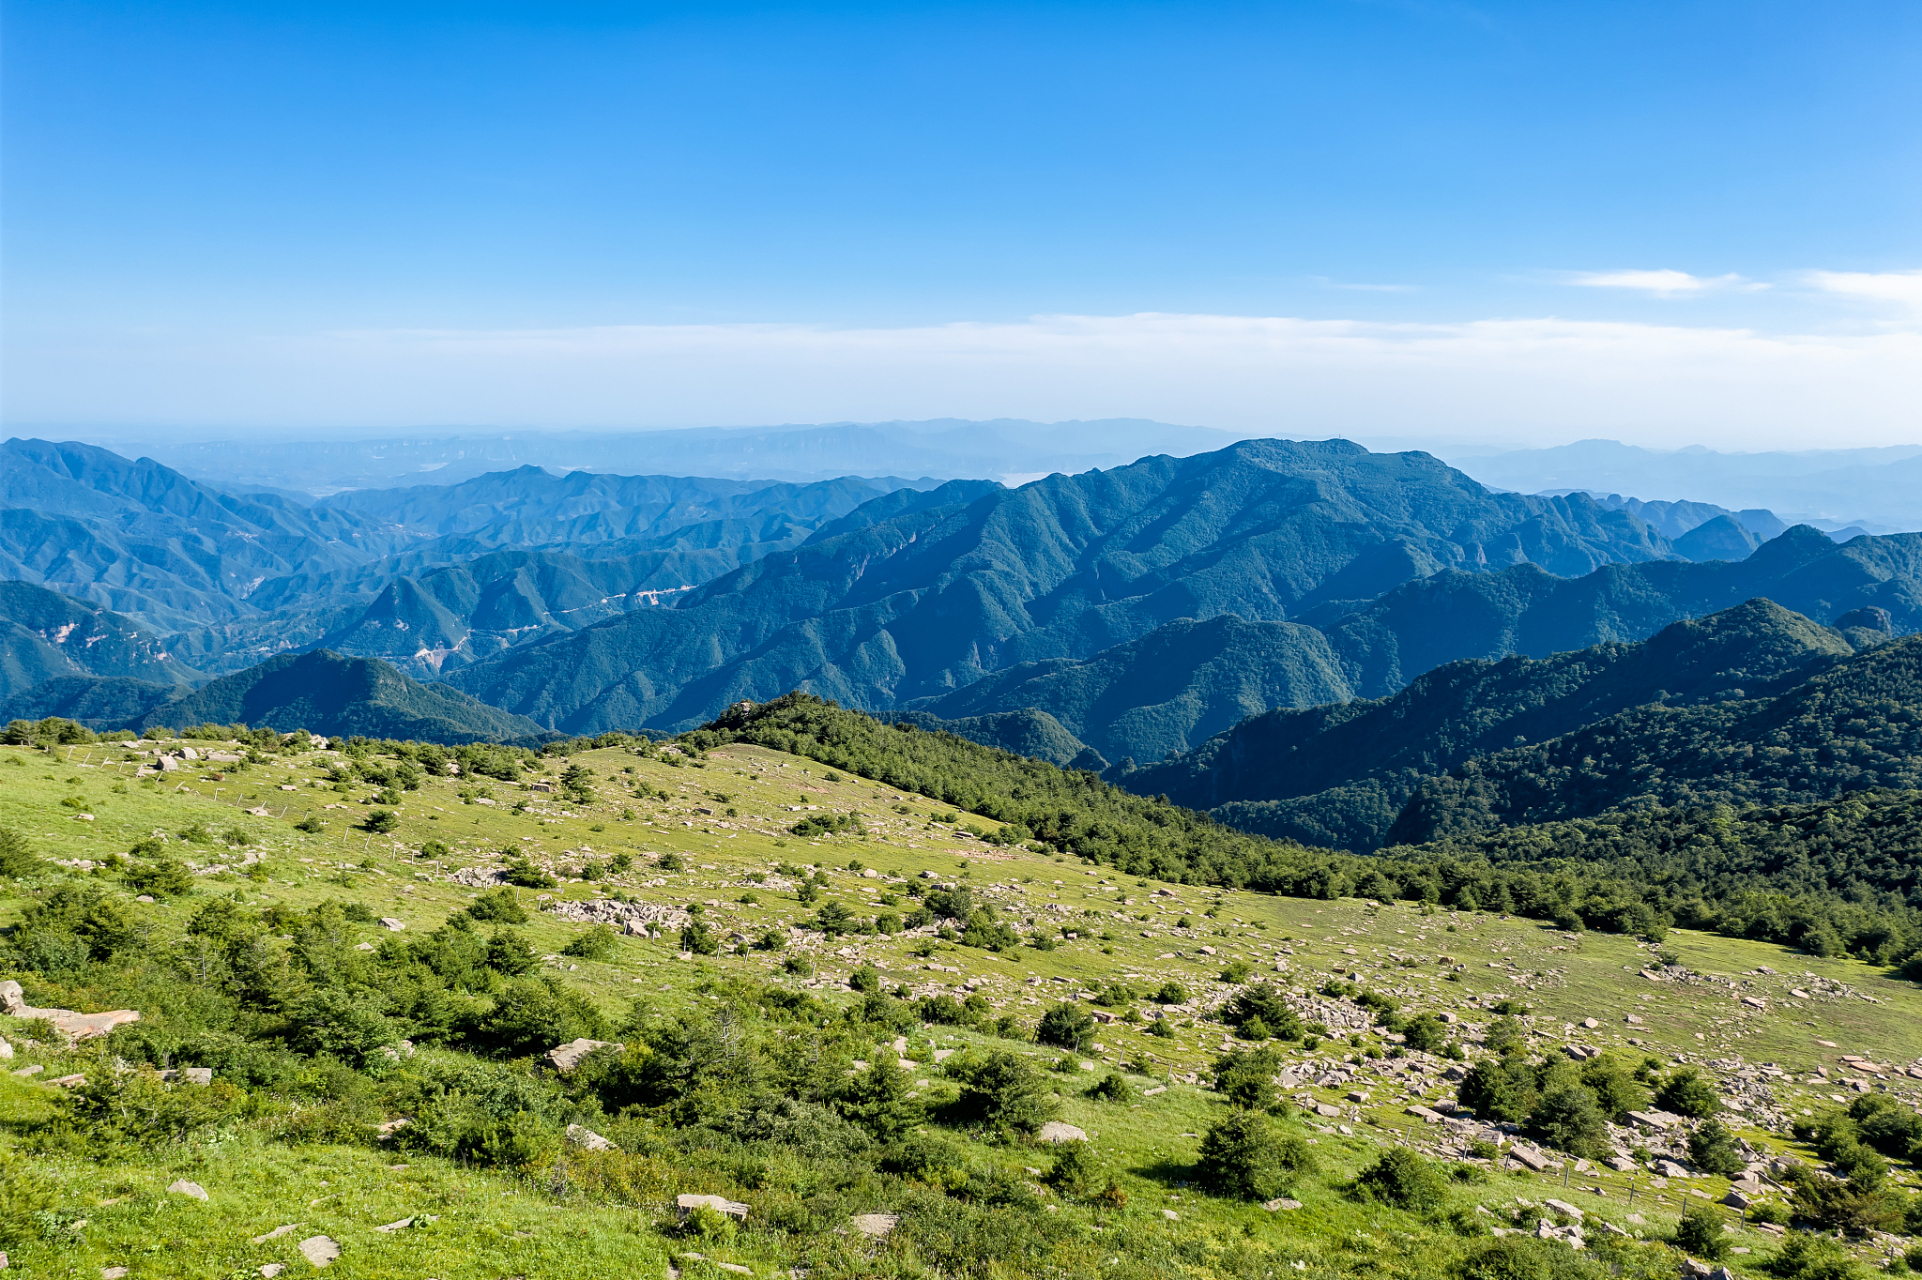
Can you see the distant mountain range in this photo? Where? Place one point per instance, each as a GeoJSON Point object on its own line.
{"type": "Point", "coordinates": [322, 692]}
{"type": "Point", "coordinates": [1126, 621]}
{"type": "Point", "coordinates": [1343, 774]}
{"type": "Point", "coordinates": [1878, 489]}
{"type": "Point", "coordinates": [933, 599]}
{"type": "Point", "coordinates": [1009, 450]}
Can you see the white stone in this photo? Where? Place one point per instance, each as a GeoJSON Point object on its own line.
{"type": "Point", "coordinates": [320, 1250]}
{"type": "Point", "coordinates": [877, 1225]}
{"type": "Point", "coordinates": [186, 1188]}
{"type": "Point", "coordinates": [1057, 1131]}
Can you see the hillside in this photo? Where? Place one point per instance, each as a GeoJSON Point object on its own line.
{"type": "Point", "coordinates": [529, 507]}
{"type": "Point", "coordinates": [1166, 692]}
{"type": "Point", "coordinates": [147, 542]}
{"type": "Point", "coordinates": [1420, 625]}
{"type": "Point", "coordinates": [328, 694]}
{"type": "Point", "coordinates": [1065, 567]}
{"type": "Point", "coordinates": [857, 1041]}
{"type": "Point", "coordinates": [47, 636]}
{"type": "Point", "coordinates": [1852, 727]}
{"type": "Point", "coordinates": [1340, 774]}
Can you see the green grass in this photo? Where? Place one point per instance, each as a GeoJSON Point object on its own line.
{"type": "Point", "coordinates": [495, 1224]}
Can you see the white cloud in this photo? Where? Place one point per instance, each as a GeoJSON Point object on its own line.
{"type": "Point", "coordinates": [1665, 283]}
{"type": "Point", "coordinates": [1543, 380]}
{"type": "Point", "coordinates": [1904, 287]}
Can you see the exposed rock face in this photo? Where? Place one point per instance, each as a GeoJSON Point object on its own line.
{"type": "Point", "coordinates": [640, 918]}
{"type": "Point", "coordinates": [686, 1203]}
{"type": "Point", "coordinates": [564, 1058]}
{"type": "Point", "coordinates": [75, 1026]}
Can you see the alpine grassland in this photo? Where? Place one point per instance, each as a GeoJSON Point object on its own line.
{"type": "Point", "coordinates": [902, 1004]}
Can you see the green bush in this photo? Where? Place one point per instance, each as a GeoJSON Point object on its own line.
{"type": "Point", "coordinates": [1700, 1233]}
{"type": "Point", "coordinates": [166, 878]}
{"type": "Point", "coordinates": [598, 943]}
{"type": "Point", "coordinates": [1001, 1090]}
{"type": "Point", "coordinates": [1402, 1179]}
{"type": "Point", "coordinates": [16, 859]}
{"type": "Point", "coordinates": [1807, 1256]}
{"type": "Point", "coordinates": [1712, 1149]}
{"type": "Point", "coordinates": [1113, 1087]}
{"type": "Point", "coordinates": [1066, 1026]}
{"type": "Point", "coordinates": [1567, 1119]}
{"type": "Point", "coordinates": [1242, 1156]}
{"type": "Point", "coordinates": [1246, 1077]}
{"type": "Point", "coordinates": [498, 906]}
{"type": "Point", "coordinates": [1076, 1171]}
{"type": "Point", "coordinates": [380, 821]}
{"type": "Point", "coordinates": [1686, 1094]}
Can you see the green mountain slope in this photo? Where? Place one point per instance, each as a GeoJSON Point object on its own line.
{"type": "Point", "coordinates": [528, 507]}
{"type": "Point", "coordinates": [1166, 692]}
{"type": "Point", "coordinates": [932, 600]}
{"type": "Point", "coordinates": [45, 636]}
{"type": "Point", "coordinates": [1420, 625]}
{"type": "Point", "coordinates": [1022, 732]}
{"type": "Point", "coordinates": [146, 541]}
{"type": "Point", "coordinates": [1853, 727]}
{"type": "Point", "coordinates": [329, 694]}
{"type": "Point", "coordinates": [1340, 774]}
{"type": "Point", "coordinates": [98, 702]}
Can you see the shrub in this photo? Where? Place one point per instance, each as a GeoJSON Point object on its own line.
{"type": "Point", "coordinates": [1807, 1256]}
{"type": "Point", "coordinates": [1171, 993]}
{"type": "Point", "coordinates": [1402, 1179]}
{"type": "Point", "coordinates": [1712, 1149]}
{"type": "Point", "coordinates": [1425, 1033]}
{"type": "Point", "coordinates": [697, 938]}
{"type": "Point", "coordinates": [1113, 1087]}
{"type": "Point", "coordinates": [598, 943]}
{"type": "Point", "coordinates": [1002, 1091]}
{"type": "Point", "coordinates": [25, 1195]}
{"type": "Point", "coordinates": [1076, 1171]}
{"type": "Point", "coordinates": [351, 1026]}
{"type": "Point", "coordinates": [1567, 1119]}
{"type": "Point", "coordinates": [519, 871]}
{"type": "Point", "coordinates": [380, 821]}
{"type": "Point", "coordinates": [1686, 1094]}
{"type": "Point", "coordinates": [1246, 1077]}
{"type": "Point", "coordinates": [1700, 1233]}
{"type": "Point", "coordinates": [498, 906]}
{"type": "Point", "coordinates": [1066, 1026]}
{"type": "Point", "coordinates": [167, 878]}
{"type": "Point", "coordinates": [16, 859]}
{"type": "Point", "coordinates": [1263, 1004]}
{"type": "Point", "coordinates": [1242, 1156]}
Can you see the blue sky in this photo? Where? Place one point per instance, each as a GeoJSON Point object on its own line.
{"type": "Point", "coordinates": [1390, 217]}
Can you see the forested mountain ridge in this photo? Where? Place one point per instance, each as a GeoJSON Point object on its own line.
{"type": "Point", "coordinates": [46, 636]}
{"type": "Point", "coordinates": [1341, 774]}
{"type": "Point", "coordinates": [934, 599]}
{"type": "Point", "coordinates": [332, 694]}
{"type": "Point", "coordinates": [1854, 727]}
{"type": "Point", "coordinates": [529, 507]}
{"type": "Point", "coordinates": [150, 543]}
{"type": "Point", "coordinates": [1164, 693]}
{"type": "Point", "coordinates": [1418, 625]}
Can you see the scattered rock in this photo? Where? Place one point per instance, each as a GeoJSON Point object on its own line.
{"type": "Point", "coordinates": [320, 1250]}
{"type": "Point", "coordinates": [276, 1233]}
{"type": "Point", "coordinates": [389, 922]}
{"type": "Point", "coordinates": [272, 1269]}
{"type": "Point", "coordinates": [1564, 1208]}
{"type": "Point", "coordinates": [113, 1273]}
{"type": "Point", "coordinates": [877, 1225]}
{"type": "Point", "coordinates": [1529, 1156]}
{"type": "Point", "coordinates": [686, 1203]}
{"type": "Point", "coordinates": [1283, 1203]}
{"type": "Point", "coordinates": [186, 1188]}
{"type": "Point", "coordinates": [1171, 1215]}
{"type": "Point", "coordinates": [564, 1058]}
{"type": "Point", "coordinates": [586, 1139]}
{"type": "Point", "coordinates": [75, 1026]}
{"type": "Point", "coordinates": [1057, 1131]}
